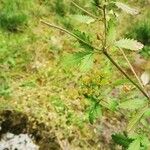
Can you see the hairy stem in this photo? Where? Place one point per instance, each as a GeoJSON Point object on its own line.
{"type": "Point", "coordinates": [132, 69]}
{"type": "Point", "coordinates": [70, 33]}
{"type": "Point", "coordinates": [82, 9]}
{"type": "Point", "coordinates": [125, 74]}
{"type": "Point", "coordinates": [105, 28]}
{"type": "Point", "coordinates": [112, 60]}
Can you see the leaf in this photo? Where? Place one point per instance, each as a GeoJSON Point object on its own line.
{"type": "Point", "coordinates": [136, 119]}
{"type": "Point", "coordinates": [121, 140]}
{"type": "Point", "coordinates": [129, 44]}
{"type": "Point", "coordinates": [83, 18]}
{"type": "Point", "coordinates": [95, 112]}
{"type": "Point", "coordinates": [113, 105]}
{"type": "Point", "coordinates": [147, 113]}
{"type": "Point", "coordinates": [135, 145]}
{"type": "Point", "coordinates": [85, 38]}
{"type": "Point", "coordinates": [145, 77]}
{"type": "Point", "coordinates": [111, 31]}
{"type": "Point", "coordinates": [96, 2]}
{"type": "Point", "coordinates": [87, 63]}
{"type": "Point", "coordinates": [132, 104]}
{"type": "Point", "coordinates": [126, 8]}
{"type": "Point", "coordinates": [145, 142]}
{"type": "Point", "coordinates": [84, 60]}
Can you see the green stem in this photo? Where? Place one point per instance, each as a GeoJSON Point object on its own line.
{"type": "Point", "coordinates": [132, 69]}
{"type": "Point", "coordinates": [82, 9]}
{"type": "Point", "coordinates": [125, 74]}
{"type": "Point", "coordinates": [105, 27]}
{"type": "Point", "coordinates": [70, 33]}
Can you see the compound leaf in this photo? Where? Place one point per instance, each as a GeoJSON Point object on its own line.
{"type": "Point", "coordinates": [87, 63]}
{"type": "Point", "coordinates": [85, 38]}
{"type": "Point", "coordinates": [129, 44]}
{"type": "Point", "coordinates": [121, 140]}
{"type": "Point", "coordinates": [83, 59]}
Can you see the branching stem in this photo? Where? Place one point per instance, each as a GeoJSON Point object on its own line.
{"type": "Point", "coordinates": [70, 33]}
{"type": "Point", "coordinates": [105, 28]}
{"type": "Point", "coordinates": [104, 52]}
{"type": "Point", "coordinates": [125, 74]}
{"type": "Point", "coordinates": [132, 69]}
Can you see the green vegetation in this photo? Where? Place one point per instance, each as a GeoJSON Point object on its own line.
{"type": "Point", "coordinates": [78, 77]}
{"type": "Point", "coordinates": [13, 14]}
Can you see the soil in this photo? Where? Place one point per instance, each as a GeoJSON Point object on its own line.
{"type": "Point", "coordinates": [19, 123]}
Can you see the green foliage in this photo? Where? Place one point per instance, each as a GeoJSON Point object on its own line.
{"type": "Point", "coordinates": [13, 54]}
{"type": "Point", "coordinates": [96, 2]}
{"type": "Point", "coordinates": [60, 8]}
{"type": "Point", "coordinates": [5, 90]}
{"type": "Point", "coordinates": [135, 119]}
{"type": "Point", "coordinates": [122, 140]}
{"type": "Point", "coordinates": [135, 145]}
{"type": "Point", "coordinates": [129, 44]}
{"type": "Point", "coordinates": [145, 51]}
{"type": "Point", "coordinates": [111, 31]}
{"type": "Point", "coordinates": [95, 112]}
{"type": "Point", "coordinates": [141, 31]}
{"type": "Point", "coordinates": [83, 36]}
{"type": "Point", "coordinates": [83, 59]}
{"type": "Point", "coordinates": [106, 43]}
{"type": "Point", "coordinates": [132, 142]}
{"type": "Point", "coordinates": [13, 14]}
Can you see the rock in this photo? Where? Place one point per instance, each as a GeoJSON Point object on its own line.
{"type": "Point", "coordinates": [10, 141]}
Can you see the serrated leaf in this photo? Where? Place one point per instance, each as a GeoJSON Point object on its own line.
{"type": "Point", "coordinates": [113, 105]}
{"type": "Point", "coordinates": [135, 120]}
{"type": "Point", "coordinates": [121, 140]}
{"type": "Point", "coordinates": [135, 145]}
{"type": "Point", "coordinates": [129, 44]}
{"type": "Point", "coordinates": [83, 60]}
{"type": "Point", "coordinates": [126, 8]}
{"type": "Point", "coordinates": [132, 104]}
{"type": "Point", "coordinates": [85, 38]}
{"type": "Point", "coordinates": [111, 31]}
{"type": "Point", "coordinates": [95, 112]}
{"type": "Point", "coordinates": [145, 77]}
{"type": "Point", "coordinates": [87, 63]}
{"type": "Point", "coordinates": [73, 59]}
{"type": "Point", "coordinates": [145, 141]}
{"type": "Point", "coordinates": [83, 18]}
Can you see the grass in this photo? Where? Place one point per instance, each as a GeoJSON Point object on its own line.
{"type": "Point", "coordinates": [13, 14]}
{"type": "Point", "coordinates": [141, 31]}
